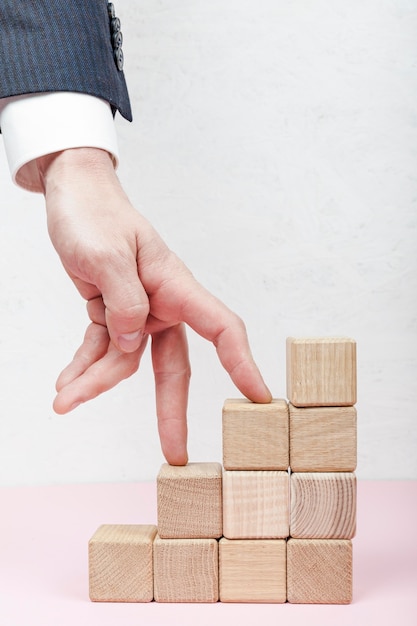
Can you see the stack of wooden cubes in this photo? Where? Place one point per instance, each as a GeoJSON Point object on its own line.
{"type": "Point", "coordinates": [189, 526]}
{"type": "Point", "coordinates": [256, 488]}
{"type": "Point", "coordinates": [275, 523]}
{"type": "Point", "coordinates": [321, 388]}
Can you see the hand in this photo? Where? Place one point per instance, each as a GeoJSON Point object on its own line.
{"type": "Point", "coordinates": [135, 287]}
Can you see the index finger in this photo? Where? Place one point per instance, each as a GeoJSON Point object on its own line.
{"type": "Point", "coordinates": [214, 321]}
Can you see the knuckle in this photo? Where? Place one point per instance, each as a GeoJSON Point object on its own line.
{"type": "Point", "coordinates": [128, 313]}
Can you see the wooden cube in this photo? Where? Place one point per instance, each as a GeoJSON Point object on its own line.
{"type": "Point", "coordinates": [255, 436]}
{"type": "Point", "coordinates": [321, 371]}
{"type": "Point", "coordinates": [323, 505]}
{"type": "Point", "coordinates": [186, 570]}
{"type": "Point", "coordinates": [319, 571]}
{"type": "Point", "coordinates": [189, 500]}
{"type": "Point", "coordinates": [255, 504]}
{"type": "Point", "coordinates": [120, 563]}
{"type": "Point", "coordinates": [323, 439]}
{"type": "Point", "coordinates": [252, 570]}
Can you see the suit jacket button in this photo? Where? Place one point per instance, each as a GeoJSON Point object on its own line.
{"type": "Point", "coordinates": [115, 25]}
{"type": "Point", "coordinates": [118, 57]}
{"type": "Point", "coordinates": [117, 39]}
{"type": "Point", "coordinates": [111, 11]}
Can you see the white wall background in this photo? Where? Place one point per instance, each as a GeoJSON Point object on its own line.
{"type": "Point", "coordinates": [274, 147]}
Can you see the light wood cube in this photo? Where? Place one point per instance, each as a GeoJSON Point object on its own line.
{"type": "Point", "coordinates": [323, 439]}
{"type": "Point", "coordinates": [255, 504]}
{"type": "Point", "coordinates": [189, 500]}
{"type": "Point", "coordinates": [120, 563]}
{"type": "Point", "coordinates": [186, 570]}
{"type": "Point", "coordinates": [321, 371]}
{"type": "Point", "coordinates": [253, 570]}
{"type": "Point", "coordinates": [319, 571]}
{"type": "Point", "coordinates": [323, 505]}
{"type": "Point", "coordinates": [255, 436]}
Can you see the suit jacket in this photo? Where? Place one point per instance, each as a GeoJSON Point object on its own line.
{"type": "Point", "coordinates": [60, 45]}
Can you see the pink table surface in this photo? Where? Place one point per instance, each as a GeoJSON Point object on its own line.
{"type": "Point", "coordinates": [44, 573]}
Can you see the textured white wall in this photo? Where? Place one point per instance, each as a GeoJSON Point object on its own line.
{"type": "Point", "coordinates": [274, 147]}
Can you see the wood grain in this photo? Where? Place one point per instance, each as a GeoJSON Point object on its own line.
{"type": "Point", "coordinates": [323, 439]}
{"type": "Point", "coordinates": [186, 570]}
{"type": "Point", "coordinates": [252, 570]}
{"type": "Point", "coordinates": [120, 563]}
{"type": "Point", "coordinates": [189, 500]}
{"type": "Point", "coordinates": [319, 571]}
{"type": "Point", "coordinates": [323, 505]}
{"type": "Point", "coordinates": [321, 371]}
{"type": "Point", "coordinates": [255, 436]}
{"type": "Point", "coordinates": [255, 504]}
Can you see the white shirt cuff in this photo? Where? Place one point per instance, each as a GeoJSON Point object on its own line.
{"type": "Point", "coordinates": [35, 125]}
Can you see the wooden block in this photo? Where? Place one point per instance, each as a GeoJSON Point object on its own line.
{"type": "Point", "coordinates": [323, 505]}
{"type": "Point", "coordinates": [252, 570]}
{"type": "Point", "coordinates": [321, 371]}
{"type": "Point", "coordinates": [190, 501]}
{"type": "Point", "coordinates": [120, 563]}
{"type": "Point", "coordinates": [255, 436]}
{"type": "Point", "coordinates": [255, 504]}
{"type": "Point", "coordinates": [319, 571]}
{"type": "Point", "coordinates": [186, 570]}
{"type": "Point", "coordinates": [323, 439]}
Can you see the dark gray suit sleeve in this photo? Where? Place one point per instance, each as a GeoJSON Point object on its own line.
{"type": "Point", "coordinates": [60, 45]}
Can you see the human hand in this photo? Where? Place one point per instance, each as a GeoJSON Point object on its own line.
{"type": "Point", "coordinates": [135, 287]}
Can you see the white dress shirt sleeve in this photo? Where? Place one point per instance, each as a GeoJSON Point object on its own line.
{"type": "Point", "coordinates": [35, 125]}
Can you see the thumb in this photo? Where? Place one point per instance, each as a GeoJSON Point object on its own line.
{"type": "Point", "coordinates": [126, 307]}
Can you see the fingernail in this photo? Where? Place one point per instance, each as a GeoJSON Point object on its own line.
{"type": "Point", "coordinates": [130, 341]}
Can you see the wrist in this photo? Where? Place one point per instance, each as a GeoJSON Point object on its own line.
{"type": "Point", "coordinates": [68, 166]}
